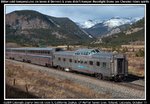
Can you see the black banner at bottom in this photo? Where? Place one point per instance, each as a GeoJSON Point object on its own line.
{"type": "Point", "coordinates": [77, 102]}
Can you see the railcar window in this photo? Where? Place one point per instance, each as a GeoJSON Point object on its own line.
{"type": "Point", "coordinates": [86, 53]}
{"type": "Point", "coordinates": [92, 51]}
{"type": "Point", "coordinates": [97, 50]}
{"type": "Point", "coordinates": [77, 53]}
{"type": "Point", "coordinates": [58, 49]}
{"type": "Point", "coordinates": [98, 63]}
{"type": "Point", "coordinates": [75, 61]}
{"type": "Point", "coordinates": [59, 58]}
{"type": "Point", "coordinates": [104, 64]}
{"type": "Point", "coordinates": [85, 62]}
{"type": "Point", "coordinates": [70, 60]}
{"type": "Point", "coordinates": [81, 62]}
{"type": "Point", "coordinates": [64, 59]}
{"type": "Point", "coordinates": [44, 52]}
{"type": "Point", "coordinates": [78, 61]}
{"type": "Point", "coordinates": [91, 62]}
{"type": "Point", "coordinates": [49, 52]}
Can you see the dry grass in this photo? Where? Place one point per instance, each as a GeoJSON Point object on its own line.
{"type": "Point", "coordinates": [136, 66]}
{"type": "Point", "coordinates": [12, 45]}
{"type": "Point", "coordinates": [42, 85]}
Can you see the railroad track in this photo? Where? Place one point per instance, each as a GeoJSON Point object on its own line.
{"type": "Point", "coordinates": [126, 84]}
{"type": "Point", "coordinates": [132, 85]}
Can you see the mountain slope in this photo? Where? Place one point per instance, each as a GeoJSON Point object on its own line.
{"type": "Point", "coordinates": [108, 27]}
{"type": "Point", "coordinates": [34, 28]}
{"type": "Point", "coordinates": [134, 32]}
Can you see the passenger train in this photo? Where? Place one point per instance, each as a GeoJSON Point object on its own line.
{"type": "Point", "coordinates": [91, 61]}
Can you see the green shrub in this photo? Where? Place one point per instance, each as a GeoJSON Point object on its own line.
{"type": "Point", "coordinates": [140, 53]}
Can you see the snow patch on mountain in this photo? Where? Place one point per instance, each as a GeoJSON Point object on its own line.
{"type": "Point", "coordinates": [116, 22]}
{"type": "Point", "coordinates": [111, 23]}
{"type": "Point", "coordinates": [89, 23]}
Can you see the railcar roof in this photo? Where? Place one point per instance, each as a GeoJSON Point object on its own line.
{"type": "Point", "coordinates": [99, 54]}
{"type": "Point", "coordinates": [83, 50]}
{"type": "Point", "coordinates": [103, 54]}
{"type": "Point", "coordinates": [95, 55]}
{"type": "Point", "coordinates": [31, 48]}
{"type": "Point", "coordinates": [65, 53]}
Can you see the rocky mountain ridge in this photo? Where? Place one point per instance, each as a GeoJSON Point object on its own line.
{"type": "Point", "coordinates": [37, 28]}
{"type": "Point", "coordinates": [98, 28]}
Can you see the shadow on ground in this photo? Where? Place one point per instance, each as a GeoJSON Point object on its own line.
{"type": "Point", "coordinates": [12, 92]}
{"type": "Point", "coordinates": [131, 78]}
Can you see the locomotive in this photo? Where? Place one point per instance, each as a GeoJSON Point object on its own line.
{"type": "Point", "coordinates": [91, 61]}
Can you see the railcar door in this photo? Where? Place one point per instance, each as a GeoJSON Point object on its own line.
{"type": "Point", "coordinates": [120, 66]}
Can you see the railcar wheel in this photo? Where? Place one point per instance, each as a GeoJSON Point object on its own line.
{"type": "Point", "coordinates": [59, 67]}
{"type": "Point", "coordinates": [29, 61]}
{"type": "Point", "coordinates": [46, 64]}
{"type": "Point", "coordinates": [116, 78]}
{"type": "Point", "coordinates": [99, 76]}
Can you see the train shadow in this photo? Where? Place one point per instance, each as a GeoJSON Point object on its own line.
{"type": "Point", "coordinates": [131, 78]}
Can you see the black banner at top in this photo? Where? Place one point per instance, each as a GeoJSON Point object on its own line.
{"type": "Point", "coordinates": [77, 1]}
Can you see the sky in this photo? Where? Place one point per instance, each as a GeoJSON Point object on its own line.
{"type": "Point", "coordinates": [81, 13]}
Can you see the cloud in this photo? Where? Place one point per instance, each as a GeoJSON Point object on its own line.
{"type": "Point", "coordinates": [80, 13]}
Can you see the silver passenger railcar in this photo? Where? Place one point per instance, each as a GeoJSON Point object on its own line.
{"type": "Point", "coordinates": [92, 61]}
{"type": "Point", "coordinates": [101, 64]}
{"type": "Point", "coordinates": [40, 56]}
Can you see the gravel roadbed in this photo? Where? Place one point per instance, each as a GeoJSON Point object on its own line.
{"type": "Point", "coordinates": [99, 86]}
